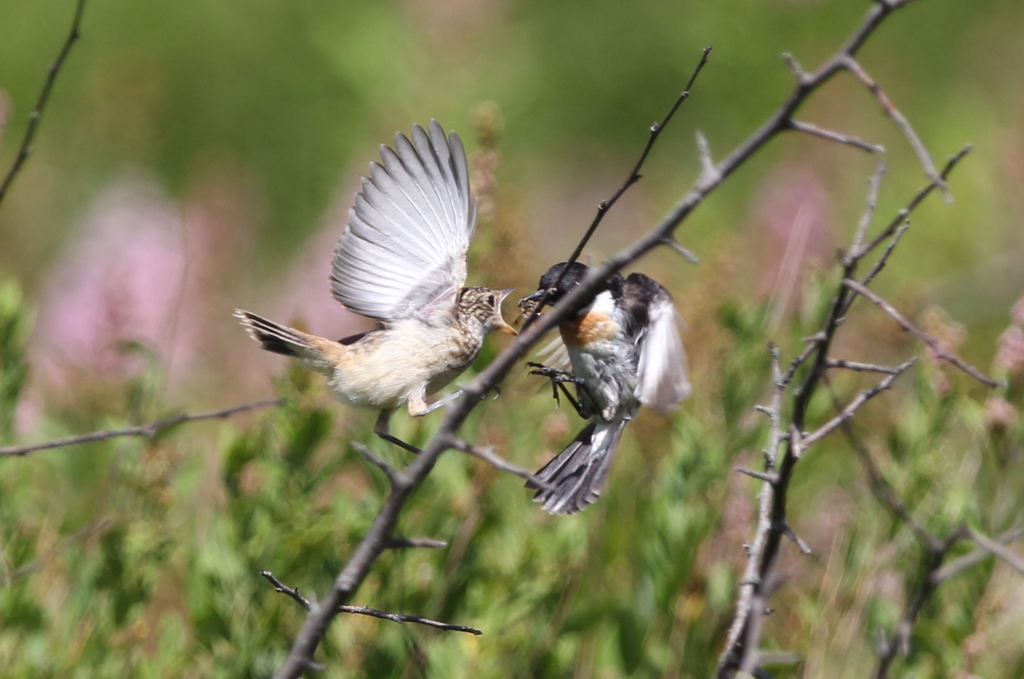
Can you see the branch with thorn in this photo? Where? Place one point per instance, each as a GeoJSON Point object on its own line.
{"type": "Point", "coordinates": [145, 430]}
{"type": "Point", "coordinates": [366, 610]}
{"type": "Point", "coordinates": [633, 178]}
{"type": "Point", "coordinates": [773, 497]}
{"type": "Point", "coordinates": [742, 648]}
{"type": "Point", "coordinates": [36, 117]}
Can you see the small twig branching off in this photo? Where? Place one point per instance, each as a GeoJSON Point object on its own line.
{"type": "Point", "coordinates": [145, 430]}
{"type": "Point", "coordinates": [36, 116]}
{"type": "Point", "coordinates": [366, 610]}
{"type": "Point", "coordinates": [809, 128]}
{"type": "Point", "coordinates": [784, 447]}
{"type": "Point", "coordinates": [633, 178]}
{"type": "Point", "coordinates": [940, 352]}
{"type": "Point", "coordinates": [851, 65]}
{"type": "Point", "coordinates": [937, 570]}
{"type": "Point", "coordinates": [488, 455]}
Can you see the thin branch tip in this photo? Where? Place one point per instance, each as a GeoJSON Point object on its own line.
{"type": "Point", "coordinates": [36, 116]}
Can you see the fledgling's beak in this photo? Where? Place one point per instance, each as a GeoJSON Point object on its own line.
{"type": "Point", "coordinates": [503, 326]}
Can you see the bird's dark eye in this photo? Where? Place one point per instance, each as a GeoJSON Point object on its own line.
{"type": "Point", "coordinates": [490, 299]}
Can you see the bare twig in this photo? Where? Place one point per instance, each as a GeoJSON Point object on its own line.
{"type": "Point", "coordinates": [286, 590]}
{"type": "Point", "coordinates": [874, 184]}
{"type": "Point", "coordinates": [793, 65]}
{"type": "Point", "coordinates": [406, 543]}
{"type": "Point", "coordinates": [678, 247]}
{"type": "Point", "coordinates": [857, 366]}
{"type": "Point", "coordinates": [809, 128]}
{"type": "Point", "coordinates": [633, 178]}
{"type": "Point", "coordinates": [634, 175]}
{"type": "Point", "coordinates": [366, 610]}
{"type": "Point", "coordinates": [753, 473]}
{"type": "Point", "coordinates": [788, 531]}
{"type": "Point", "coordinates": [376, 539]}
{"type": "Point", "coordinates": [962, 563]}
{"type": "Point", "coordinates": [901, 216]}
{"type": "Point", "coordinates": [146, 430]}
{"type": "Point", "coordinates": [998, 549]}
{"type": "Point", "coordinates": [851, 64]}
{"type": "Point", "coordinates": [488, 455]}
{"type": "Point", "coordinates": [401, 618]}
{"type": "Point", "coordinates": [375, 460]}
{"type": "Point", "coordinates": [940, 352]}
{"type": "Point", "coordinates": [901, 638]}
{"type": "Point", "coordinates": [937, 571]}
{"type": "Point", "coordinates": [880, 487]}
{"type": "Point", "coordinates": [856, 404]}
{"type": "Point", "coordinates": [880, 264]}
{"type": "Point", "coordinates": [36, 116]}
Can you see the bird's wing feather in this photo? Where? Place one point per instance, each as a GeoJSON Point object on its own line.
{"type": "Point", "coordinates": [661, 368]}
{"type": "Point", "coordinates": [403, 252]}
{"type": "Point", "coordinates": [555, 355]}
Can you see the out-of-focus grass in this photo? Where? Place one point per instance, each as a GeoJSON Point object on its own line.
{"type": "Point", "coordinates": [142, 558]}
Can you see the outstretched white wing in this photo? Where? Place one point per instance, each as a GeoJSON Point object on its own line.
{"type": "Point", "coordinates": [403, 252]}
{"type": "Point", "coordinates": [661, 369]}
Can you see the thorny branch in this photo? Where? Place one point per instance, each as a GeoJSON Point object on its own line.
{"type": "Point", "coordinates": [940, 352]}
{"type": "Point", "coordinates": [742, 650]}
{"type": "Point", "coordinates": [773, 496]}
{"type": "Point", "coordinates": [633, 178]}
{"type": "Point", "coordinates": [404, 482]}
{"type": "Point", "coordinates": [937, 570]}
{"type": "Point", "coordinates": [146, 430]}
{"type": "Point", "coordinates": [36, 116]}
{"type": "Point", "coordinates": [366, 610]}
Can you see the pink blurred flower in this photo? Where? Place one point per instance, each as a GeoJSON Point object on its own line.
{"type": "Point", "coordinates": [1010, 354]}
{"type": "Point", "coordinates": [1017, 313]}
{"type": "Point", "coordinates": [999, 413]}
{"type": "Point", "coordinates": [120, 280]}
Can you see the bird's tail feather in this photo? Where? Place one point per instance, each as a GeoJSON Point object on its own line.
{"type": "Point", "coordinates": [273, 336]}
{"type": "Point", "coordinates": [578, 473]}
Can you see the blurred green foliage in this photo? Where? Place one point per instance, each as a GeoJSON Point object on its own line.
{"type": "Point", "coordinates": [149, 565]}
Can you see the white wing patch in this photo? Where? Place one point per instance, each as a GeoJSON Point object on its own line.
{"type": "Point", "coordinates": [662, 383]}
{"type": "Point", "coordinates": [403, 252]}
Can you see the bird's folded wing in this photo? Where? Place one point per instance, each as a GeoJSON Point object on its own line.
{"type": "Point", "coordinates": [661, 369]}
{"type": "Point", "coordinates": [403, 252]}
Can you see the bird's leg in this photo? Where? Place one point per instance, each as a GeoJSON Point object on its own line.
{"type": "Point", "coordinates": [380, 428]}
{"type": "Point", "coordinates": [441, 402]}
{"type": "Point", "coordinates": [423, 409]}
{"type": "Point", "coordinates": [558, 379]}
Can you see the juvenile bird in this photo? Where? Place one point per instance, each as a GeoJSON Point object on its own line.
{"type": "Point", "coordinates": [402, 261]}
{"type": "Point", "coordinates": [625, 350]}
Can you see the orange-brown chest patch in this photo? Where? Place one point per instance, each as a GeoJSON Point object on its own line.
{"type": "Point", "coordinates": [592, 327]}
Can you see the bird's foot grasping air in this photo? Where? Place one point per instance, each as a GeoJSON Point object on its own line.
{"type": "Point", "coordinates": [446, 400]}
{"type": "Point", "coordinates": [558, 379]}
{"type": "Point", "coordinates": [383, 431]}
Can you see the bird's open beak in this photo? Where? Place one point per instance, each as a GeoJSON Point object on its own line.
{"type": "Point", "coordinates": [505, 327]}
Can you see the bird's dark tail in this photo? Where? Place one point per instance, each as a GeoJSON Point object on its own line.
{"type": "Point", "coordinates": [578, 473]}
{"type": "Point", "coordinates": [274, 337]}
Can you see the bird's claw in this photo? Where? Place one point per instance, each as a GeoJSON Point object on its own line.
{"type": "Point", "coordinates": [553, 374]}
